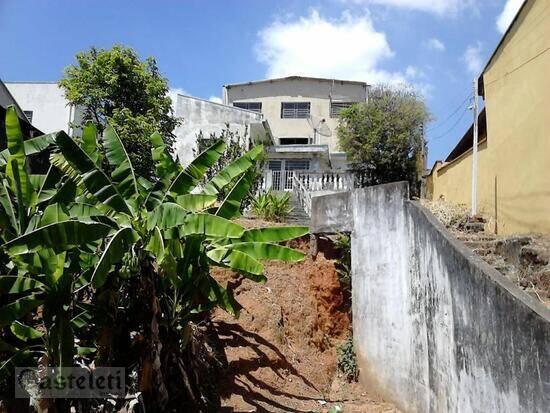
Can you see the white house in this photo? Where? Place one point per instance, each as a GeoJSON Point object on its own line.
{"type": "Point", "coordinates": [45, 105]}
{"type": "Point", "coordinates": [302, 113]}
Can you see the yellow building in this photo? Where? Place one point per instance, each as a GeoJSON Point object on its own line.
{"type": "Point", "coordinates": [514, 139]}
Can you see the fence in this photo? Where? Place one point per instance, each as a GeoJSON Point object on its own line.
{"type": "Point", "coordinates": [284, 180]}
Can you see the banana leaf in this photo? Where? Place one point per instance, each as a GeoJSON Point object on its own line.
{"type": "Point", "coordinates": [192, 174]}
{"type": "Point", "coordinates": [17, 309]}
{"type": "Point", "coordinates": [210, 226]}
{"type": "Point", "coordinates": [123, 175]}
{"type": "Point", "coordinates": [274, 234]}
{"type": "Point", "coordinates": [167, 215]}
{"type": "Point", "coordinates": [23, 332]}
{"type": "Point", "coordinates": [89, 142]}
{"type": "Point", "coordinates": [16, 169]}
{"type": "Point", "coordinates": [156, 245]}
{"type": "Point", "coordinates": [9, 208]}
{"type": "Point", "coordinates": [237, 260]}
{"type": "Point", "coordinates": [114, 251]}
{"type": "Point", "coordinates": [32, 146]}
{"type": "Point", "coordinates": [231, 205]}
{"type": "Point", "coordinates": [196, 202]}
{"type": "Point", "coordinates": [52, 214]}
{"type": "Point", "coordinates": [94, 179]}
{"type": "Point", "coordinates": [267, 251]}
{"type": "Point", "coordinates": [59, 236]}
{"type": "Point", "coordinates": [15, 284]}
{"type": "Point", "coordinates": [165, 166]}
{"type": "Point", "coordinates": [231, 171]}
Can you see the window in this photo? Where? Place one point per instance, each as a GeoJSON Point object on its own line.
{"type": "Point", "coordinates": [253, 106]}
{"type": "Point", "coordinates": [295, 110]}
{"type": "Point", "coordinates": [336, 107]}
{"type": "Point", "coordinates": [275, 165]}
{"type": "Point", "coordinates": [293, 141]}
{"type": "Point", "coordinates": [297, 165]}
{"type": "Point", "coordinates": [28, 114]}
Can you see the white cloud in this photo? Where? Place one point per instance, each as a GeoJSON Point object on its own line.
{"type": "Point", "coordinates": [508, 13]}
{"type": "Point", "coordinates": [173, 94]}
{"type": "Point", "coordinates": [435, 44]}
{"type": "Point", "coordinates": [440, 7]}
{"type": "Point", "coordinates": [346, 48]}
{"type": "Point", "coordinates": [473, 59]}
{"type": "Point", "coordinates": [215, 99]}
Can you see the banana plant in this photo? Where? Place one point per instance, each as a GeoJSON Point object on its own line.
{"type": "Point", "coordinates": [147, 244]}
{"type": "Point", "coordinates": [37, 272]}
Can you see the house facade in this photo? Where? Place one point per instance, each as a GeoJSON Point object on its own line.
{"type": "Point", "coordinates": [302, 113]}
{"type": "Point", "coordinates": [513, 152]}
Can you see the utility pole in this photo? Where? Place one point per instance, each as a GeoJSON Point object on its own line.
{"type": "Point", "coordinates": [474, 153]}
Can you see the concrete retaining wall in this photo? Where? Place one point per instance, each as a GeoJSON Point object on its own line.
{"type": "Point", "coordinates": [331, 213]}
{"type": "Point", "coordinates": [435, 328]}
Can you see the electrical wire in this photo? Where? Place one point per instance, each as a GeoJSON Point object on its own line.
{"type": "Point", "coordinates": [451, 128]}
{"type": "Point", "coordinates": [468, 97]}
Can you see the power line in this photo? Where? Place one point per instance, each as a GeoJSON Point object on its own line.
{"type": "Point", "coordinates": [451, 128]}
{"type": "Point", "coordinates": [468, 97]}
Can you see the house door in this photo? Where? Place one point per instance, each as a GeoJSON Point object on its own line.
{"type": "Point", "coordinates": [282, 171]}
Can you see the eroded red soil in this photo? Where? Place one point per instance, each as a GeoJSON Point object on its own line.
{"type": "Point", "coordinates": [282, 349]}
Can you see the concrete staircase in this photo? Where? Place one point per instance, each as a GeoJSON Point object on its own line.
{"type": "Point", "coordinates": [298, 216]}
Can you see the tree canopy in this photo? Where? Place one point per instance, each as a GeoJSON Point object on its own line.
{"type": "Point", "coordinates": [384, 138]}
{"type": "Point", "coordinates": [115, 86]}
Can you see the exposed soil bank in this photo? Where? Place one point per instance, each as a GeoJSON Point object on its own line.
{"type": "Point", "coordinates": [282, 349]}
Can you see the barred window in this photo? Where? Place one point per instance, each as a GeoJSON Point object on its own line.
{"type": "Point", "coordinates": [295, 110]}
{"type": "Point", "coordinates": [253, 106]}
{"type": "Point", "coordinates": [297, 165]}
{"type": "Point", "coordinates": [336, 108]}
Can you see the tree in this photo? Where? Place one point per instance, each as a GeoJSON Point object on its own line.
{"type": "Point", "coordinates": [115, 86]}
{"type": "Point", "coordinates": [384, 138]}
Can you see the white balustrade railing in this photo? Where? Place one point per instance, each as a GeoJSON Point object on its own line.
{"type": "Point", "coordinates": [311, 181]}
{"type": "Point", "coordinates": [326, 181]}
{"type": "Point", "coordinates": [304, 183]}
{"type": "Point", "coordinates": [302, 194]}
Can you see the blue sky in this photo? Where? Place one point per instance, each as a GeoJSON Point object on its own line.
{"type": "Point", "coordinates": [437, 46]}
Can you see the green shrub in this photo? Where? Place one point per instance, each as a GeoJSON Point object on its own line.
{"type": "Point", "coordinates": [347, 361]}
{"type": "Point", "coordinates": [272, 206]}
{"type": "Point", "coordinates": [343, 263]}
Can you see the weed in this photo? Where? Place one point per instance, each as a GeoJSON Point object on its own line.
{"type": "Point", "coordinates": [347, 361]}
{"type": "Point", "coordinates": [343, 264]}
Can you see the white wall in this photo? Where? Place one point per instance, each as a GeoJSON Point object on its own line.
{"type": "Point", "coordinates": [51, 111]}
{"type": "Point", "coordinates": [209, 117]}
{"type": "Point", "coordinates": [435, 328]}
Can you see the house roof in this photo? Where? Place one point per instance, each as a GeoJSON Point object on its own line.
{"type": "Point", "coordinates": [230, 85]}
{"type": "Point", "coordinates": [467, 141]}
{"type": "Point", "coordinates": [499, 45]}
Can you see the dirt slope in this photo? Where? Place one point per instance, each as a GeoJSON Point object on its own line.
{"type": "Point", "coordinates": [282, 349]}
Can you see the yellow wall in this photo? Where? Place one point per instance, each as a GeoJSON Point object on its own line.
{"type": "Point", "coordinates": [514, 163]}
